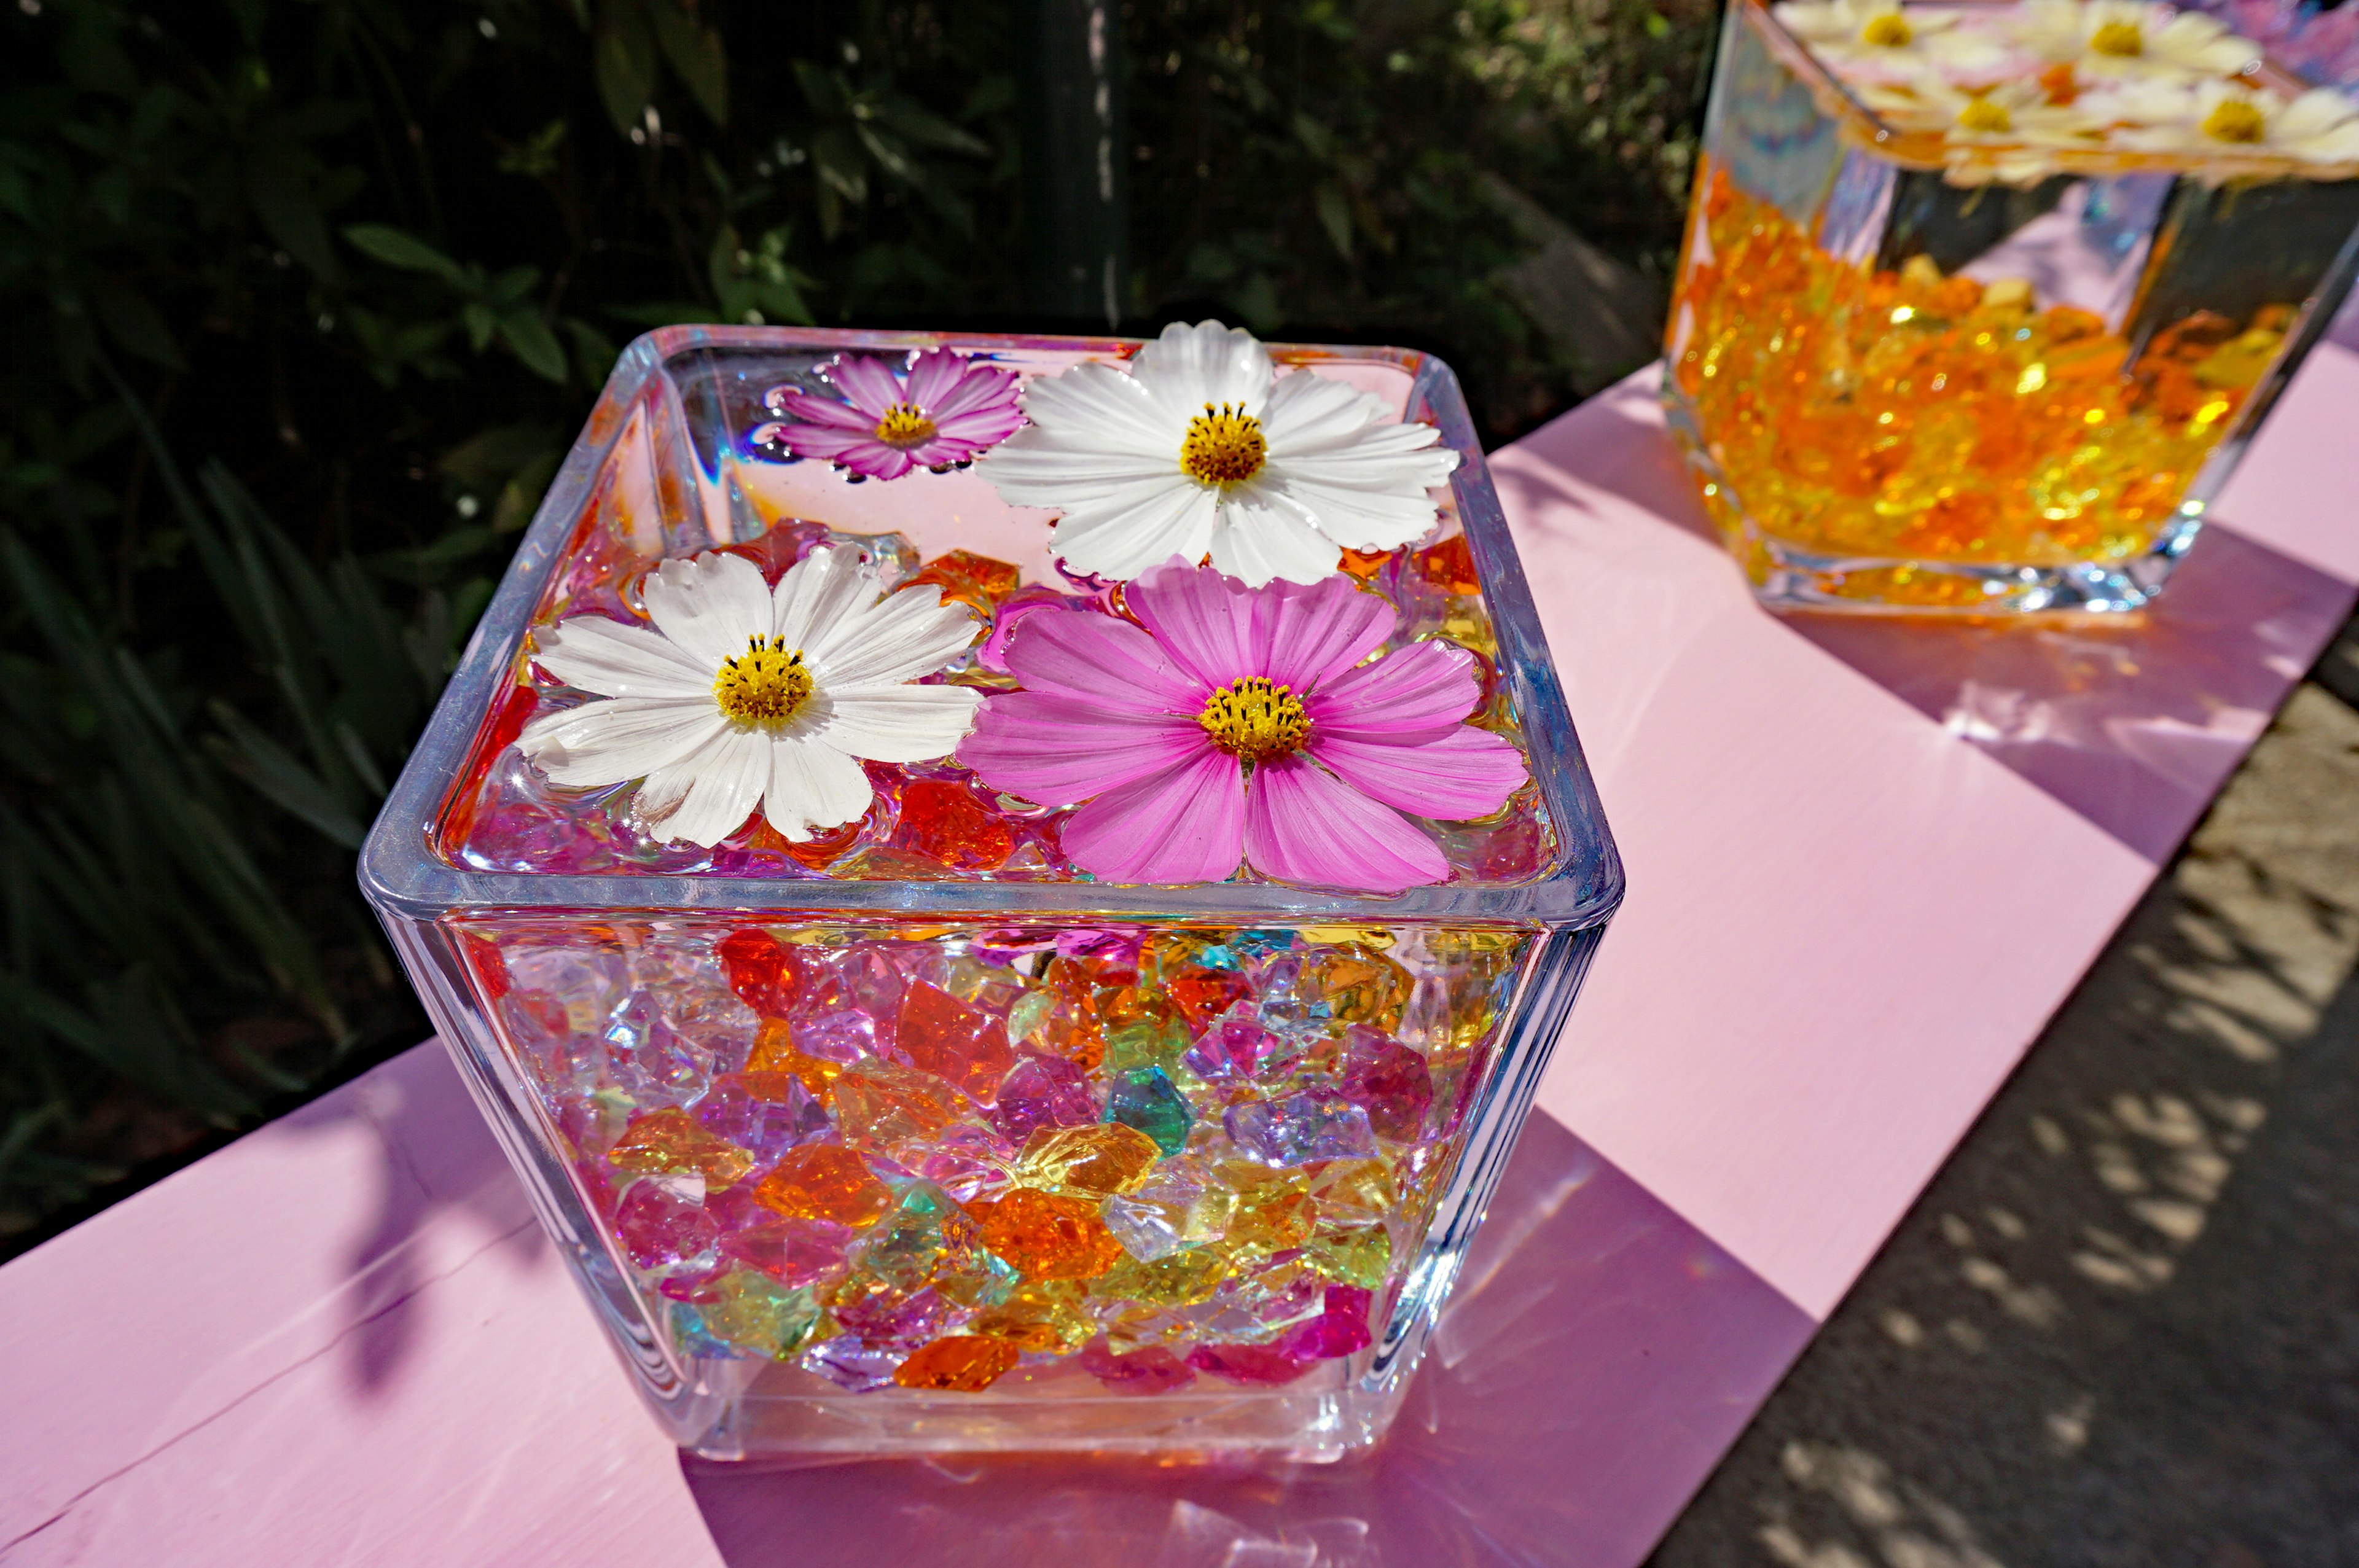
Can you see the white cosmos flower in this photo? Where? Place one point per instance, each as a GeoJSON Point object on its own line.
{"type": "Point", "coordinates": [744, 696]}
{"type": "Point", "coordinates": [1202, 448]}
{"type": "Point", "coordinates": [2131, 39]}
{"type": "Point", "coordinates": [2220, 118]}
{"type": "Point", "coordinates": [1883, 36]}
{"type": "Point", "coordinates": [2012, 114]}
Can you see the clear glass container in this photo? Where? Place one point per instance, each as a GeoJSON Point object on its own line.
{"type": "Point", "coordinates": [922, 1028]}
{"type": "Point", "coordinates": [1980, 372]}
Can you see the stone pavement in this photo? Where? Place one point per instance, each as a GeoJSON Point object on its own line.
{"type": "Point", "coordinates": [2122, 1326]}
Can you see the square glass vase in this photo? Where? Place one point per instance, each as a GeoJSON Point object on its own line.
{"type": "Point", "coordinates": [1948, 373]}
{"type": "Point", "coordinates": [943, 1039]}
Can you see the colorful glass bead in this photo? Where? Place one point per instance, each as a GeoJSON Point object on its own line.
{"type": "Point", "coordinates": [962, 1363]}
{"type": "Point", "coordinates": [776, 1051]}
{"type": "Point", "coordinates": [880, 1312]}
{"type": "Point", "coordinates": [1299, 1128]}
{"type": "Point", "coordinates": [1362, 1189]}
{"type": "Point", "coordinates": [1340, 1329]}
{"type": "Point", "coordinates": [761, 971]}
{"type": "Point", "coordinates": [1144, 1098]}
{"type": "Point", "coordinates": [1275, 1211]}
{"type": "Point", "coordinates": [1254, 1365]}
{"type": "Point", "coordinates": [1354, 1256]}
{"type": "Point", "coordinates": [1450, 566]}
{"type": "Point", "coordinates": [1178, 1279]}
{"type": "Point", "coordinates": [1151, 1369]}
{"type": "Point", "coordinates": [650, 1060]}
{"type": "Point", "coordinates": [1203, 994]}
{"type": "Point", "coordinates": [945, 822]}
{"type": "Point", "coordinates": [1043, 1316]}
{"type": "Point", "coordinates": [824, 1180]}
{"type": "Point", "coordinates": [1045, 1236]}
{"type": "Point", "coordinates": [943, 1035]}
{"type": "Point", "coordinates": [925, 1234]}
{"type": "Point", "coordinates": [974, 580]}
{"type": "Point", "coordinates": [767, 1113]}
{"type": "Point", "coordinates": [1044, 1091]}
{"type": "Point", "coordinates": [1360, 985]}
{"type": "Point", "coordinates": [1389, 1080]}
{"type": "Point", "coordinates": [852, 1364]}
{"type": "Point", "coordinates": [1144, 1043]}
{"type": "Point", "coordinates": [792, 1251]}
{"type": "Point", "coordinates": [672, 1141]}
{"type": "Point", "coordinates": [660, 1226]}
{"type": "Point", "coordinates": [1174, 1209]}
{"type": "Point", "coordinates": [883, 1106]}
{"type": "Point", "coordinates": [1029, 1015]}
{"type": "Point", "coordinates": [1093, 1162]}
{"type": "Point", "coordinates": [751, 1311]}
{"type": "Point", "coordinates": [1235, 1049]}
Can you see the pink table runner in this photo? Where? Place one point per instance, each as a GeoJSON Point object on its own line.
{"type": "Point", "coordinates": [1868, 862]}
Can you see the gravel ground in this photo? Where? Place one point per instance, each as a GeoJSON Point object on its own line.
{"type": "Point", "coordinates": [2122, 1326]}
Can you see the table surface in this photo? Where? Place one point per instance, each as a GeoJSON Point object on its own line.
{"type": "Point", "coordinates": [1866, 861]}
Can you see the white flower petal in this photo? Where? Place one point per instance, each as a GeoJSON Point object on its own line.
{"type": "Point", "coordinates": [912, 633]}
{"type": "Point", "coordinates": [820, 590]}
{"type": "Point", "coordinates": [1101, 407]}
{"type": "Point", "coordinates": [711, 605]}
{"type": "Point", "coordinates": [706, 795]}
{"type": "Point", "coordinates": [615, 659]}
{"type": "Point", "coordinates": [1188, 367]}
{"type": "Point", "coordinates": [1121, 541]}
{"type": "Point", "coordinates": [1309, 411]}
{"type": "Point", "coordinates": [812, 785]}
{"type": "Point", "coordinates": [1363, 518]}
{"type": "Point", "coordinates": [898, 723]}
{"type": "Point", "coordinates": [1257, 541]}
{"type": "Point", "coordinates": [626, 738]}
{"type": "Point", "coordinates": [1043, 473]}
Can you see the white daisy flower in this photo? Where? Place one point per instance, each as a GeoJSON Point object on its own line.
{"type": "Point", "coordinates": [2012, 114]}
{"type": "Point", "coordinates": [2131, 39]}
{"type": "Point", "coordinates": [1203, 448]}
{"type": "Point", "coordinates": [744, 696]}
{"type": "Point", "coordinates": [1883, 37]}
{"type": "Point", "coordinates": [2215, 119]}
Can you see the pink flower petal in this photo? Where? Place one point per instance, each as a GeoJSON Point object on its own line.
{"type": "Point", "coordinates": [978, 390]}
{"type": "Point", "coordinates": [984, 425]}
{"type": "Point", "coordinates": [1059, 749]}
{"type": "Point", "coordinates": [1304, 635]}
{"type": "Point", "coordinates": [820, 441]}
{"type": "Point", "coordinates": [1183, 826]}
{"type": "Point", "coordinates": [1201, 618]}
{"type": "Point", "coordinates": [875, 460]}
{"type": "Point", "coordinates": [1304, 825]}
{"type": "Point", "coordinates": [1417, 691]}
{"type": "Point", "coordinates": [813, 409]}
{"type": "Point", "coordinates": [1103, 661]}
{"type": "Point", "coordinates": [867, 381]}
{"type": "Point", "coordinates": [1467, 773]}
{"type": "Point", "coordinates": [932, 373]}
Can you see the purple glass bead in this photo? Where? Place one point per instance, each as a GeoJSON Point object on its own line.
{"type": "Point", "coordinates": [851, 1366]}
{"type": "Point", "coordinates": [767, 1127]}
{"type": "Point", "coordinates": [658, 1226]}
{"type": "Point", "coordinates": [1389, 1080]}
{"type": "Point", "coordinates": [1234, 1047]}
{"type": "Point", "coordinates": [1300, 1128]}
{"type": "Point", "coordinates": [1043, 1091]}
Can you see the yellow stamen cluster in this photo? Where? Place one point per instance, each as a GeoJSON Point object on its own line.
{"type": "Point", "coordinates": [765, 685]}
{"type": "Point", "coordinates": [903, 425]}
{"type": "Point", "coordinates": [1887, 31]}
{"type": "Point", "coordinates": [2233, 120]}
{"type": "Point", "coordinates": [2124, 40]}
{"type": "Point", "coordinates": [1253, 718]}
{"type": "Point", "coordinates": [1982, 115]}
{"type": "Point", "coordinates": [1224, 446]}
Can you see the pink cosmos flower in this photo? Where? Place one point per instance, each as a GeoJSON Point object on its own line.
{"type": "Point", "coordinates": [1241, 723]}
{"type": "Point", "coordinates": [942, 410]}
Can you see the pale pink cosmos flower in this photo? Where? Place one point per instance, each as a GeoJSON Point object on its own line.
{"type": "Point", "coordinates": [1239, 723]}
{"type": "Point", "coordinates": [942, 410]}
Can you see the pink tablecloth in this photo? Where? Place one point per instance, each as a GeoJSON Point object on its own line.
{"type": "Point", "coordinates": [1866, 862]}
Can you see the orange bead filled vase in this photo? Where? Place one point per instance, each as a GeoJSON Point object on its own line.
{"type": "Point", "coordinates": [1980, 304]}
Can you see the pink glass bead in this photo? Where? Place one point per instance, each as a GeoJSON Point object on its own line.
{"type": "Point", "coordinates": [1389, 1080]}
{"type": "Point", "coordinates": [769, 1127]}
{"type": "Point", "coordinates": [1255, 1365]}
{"type": "Point", "coordinates": [1151, 1370]}
{"type": "Point", "coordinates": [844, 1035]}
{"type": "Point", "coordinates": [1234, 1047]}
{"type": "Point", "coordinates": [1340, 1330]}
{"type": "Point", "coordinates": [1043, 1091]}
{"type": "Point", "coordinates": [658, 1226]}
{"type": "Point", "coordinates": [1300, 1128]}
{"type": "Point", "coordinates": [793, 1251]}
{"type": "Point", "coordinates": [881, 1313]}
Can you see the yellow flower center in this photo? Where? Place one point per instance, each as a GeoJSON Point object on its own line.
{"type": "Point", "coordinates": [1982, 115]}
{"type": "Point", "coordinates": [2127, 39]}
{"type": "Point", "coordinates": [903, 425]}
{"type": "Point", "coordinates": [1224, 446]}
{"type": "Point", "coordinates": [765, 685]}
{"type": "Point", "coordinates": [1251, 718]}
{"type": "Point", "coordinates": [1887, 31]}
{"type": "Point", "coordinates": [2233, 120]}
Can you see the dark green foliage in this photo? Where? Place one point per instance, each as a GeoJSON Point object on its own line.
{"type": "Point", "coordinates": [305, 298]}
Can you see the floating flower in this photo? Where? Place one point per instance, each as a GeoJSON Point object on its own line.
{"type": "Point", "coordinates": [2131, 39]}
{"type": "Point", "coordinates": [1203, 448]}
{"type": "Point", "coordinates": [2214, 119]}
{"type": "Point", "coordinates": [1886, 38]}
{"type": "Point", "coordinates": [945, 410]}
{"type": "Point", "coordinates": [2012, 114]}
{"type": "Point", "coordinates": [1237, 721]}
{"type": "Point", "coordinates": [744, 696]}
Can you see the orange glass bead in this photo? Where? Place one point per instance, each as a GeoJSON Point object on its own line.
{"type": "Point", "coordinates": [821, 850]}
{"type": "Point", "coordinates": [1366, 564]}
{"type": "Point", "coordinates": [1203, 994]}
{"type": "Point", "coordinates": [761, 971]}
{"type": "Point", "coordinates": [883, 1106]}
{"type": "Point", "coordinates": [947, 821]}
{"type": "Point", "coordinates": [1450, 566]}
{"type": "Point", "coordinates": [959, 1363]}
{"type": "Point", "coordinates": [670, 1141]}
{"type": "Point", "coordinates": [775, 1051]}
{"type": "Point", "coordinates": [943, 1035]}
{"type": "Point", "coordinates": [1044, 1236]}
{"type": "Point", "coordinates": [972, 579]}
{"type": "Point", "coordinates": [1094, 1162]}
{"type": "Point", "coordinates": [822, 1181]}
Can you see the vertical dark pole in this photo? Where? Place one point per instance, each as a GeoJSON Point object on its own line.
{"type": "Point", "coordinates": [1075, 214]}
